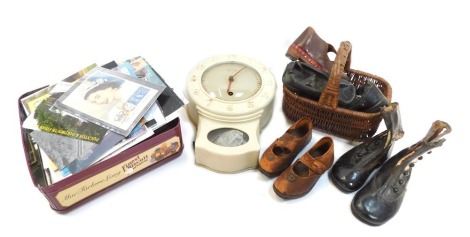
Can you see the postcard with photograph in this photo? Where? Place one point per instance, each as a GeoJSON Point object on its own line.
{"type": "Point", "coordinates": [32, 101]}
{"type": "Point", "coordinates": [126, 68]}
{"type": "Point", "coordinates": [154, 115]}
{"type": "Point", "coordinates": [65, 151]}
{"type": "Point", "coordinates": [71, 154]}
{"type": "Point", "coordinates": [144, 71]}
{"type": "Point", "coordinates": [43, 116]}
{"type": "Point", "coordinates": [111, 99]}
{"type": "Point", "coordinates": [96, 153]}
{"type": "Point", "coordinates": [169, 102]}
{"type": "Point", "coordinates": [46, 118]}
{"type": "Point", "coordinates": [138, 134]}
{"type": "Point", "coordinates": [51, 171]}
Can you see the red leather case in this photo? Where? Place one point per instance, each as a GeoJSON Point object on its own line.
{"type": "Point", "coordinates": [164, 145]}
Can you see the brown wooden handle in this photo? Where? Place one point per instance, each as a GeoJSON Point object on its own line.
{"type": "Point", "coordinates": [330, 95]}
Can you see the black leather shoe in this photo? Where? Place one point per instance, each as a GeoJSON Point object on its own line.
{"type": "Point", "coordinates": [353, 168]}
{"type": "Point", "coordinates": [351, 171]}
{"type": "Point", "coordinates": [309, 82]}
{"type": "Point", "coordinates": [368, 99]}
{"type": "Point", "coordinates": [381, 198]}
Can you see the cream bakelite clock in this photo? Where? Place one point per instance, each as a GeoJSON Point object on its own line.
{"type": "Point", "coordinates": [230, 100]}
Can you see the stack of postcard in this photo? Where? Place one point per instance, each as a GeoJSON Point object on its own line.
{"type": "Point", "coordinates": [97, 113]}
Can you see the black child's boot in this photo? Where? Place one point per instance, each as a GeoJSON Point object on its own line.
{"type": "Point", "coordinates": [351, 171]}
{"type": "Point", "coordinates": [380, 199]}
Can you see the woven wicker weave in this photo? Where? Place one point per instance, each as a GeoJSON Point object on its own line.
{"type": "Point", "coordinates": [325, 113]}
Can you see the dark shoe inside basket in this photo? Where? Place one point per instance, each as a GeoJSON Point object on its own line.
{"type": "Point", "coordinates": [308, 82]}
{"type": "Point", "coordinates": [368, 99]}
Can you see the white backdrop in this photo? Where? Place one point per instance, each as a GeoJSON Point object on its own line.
{"type": "Point", "coordinates": [421, 49]}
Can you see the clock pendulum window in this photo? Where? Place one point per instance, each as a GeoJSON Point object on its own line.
{"type": "Point", "coordinates": [230, 100]}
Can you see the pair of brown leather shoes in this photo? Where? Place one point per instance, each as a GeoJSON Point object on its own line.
{"type": "Point", "coordinates": [284, 149]}
{"type": "Point", "coordinates": [299, 178]}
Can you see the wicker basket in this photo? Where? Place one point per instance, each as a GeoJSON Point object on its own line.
{"type": "Point", "coordinates": [325, 113]}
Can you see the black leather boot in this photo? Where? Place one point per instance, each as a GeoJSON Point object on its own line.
{"type": "Point", "coordinates": [380, 199]}
{"type": "Point", "coordinates": [309, 82]}
{"type": "Point", "coordinates": [351, 171]}
{"type": "Point", "coordinates": [312, 49]}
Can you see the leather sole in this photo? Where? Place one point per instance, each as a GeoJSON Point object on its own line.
{"type": "Point", "coordinates": [269, 174]}
{"type": "Point", "coordinates": [288, 197]}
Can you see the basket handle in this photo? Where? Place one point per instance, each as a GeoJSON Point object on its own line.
{"type": "Point", "coordinates": [330, 95]}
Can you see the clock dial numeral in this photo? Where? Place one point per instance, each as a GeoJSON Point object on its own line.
{"type": "Point", "coordinates": [269, 82]}
{"type": "Point", "coordinates": [201, 67]}
{"type": "Point", "coordinates": [251, 104]}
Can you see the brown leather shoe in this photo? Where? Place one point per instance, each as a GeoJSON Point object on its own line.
{"type": "Point", "coordinates": [284, 149]}
{"type": "Point", "coordinates": [312, 49]}
{"type": "Point", "coordinates": [297, 180]}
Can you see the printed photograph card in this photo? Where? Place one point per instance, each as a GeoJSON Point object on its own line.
{"type": "Point", "coordinates": [32, 101]}
{"type": "Point", "coordinates": [111, 99]}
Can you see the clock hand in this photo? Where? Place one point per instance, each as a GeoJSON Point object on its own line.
{"type": "Point", "coordinates": [230, 80]}
{"type": "Point", "coordinates": [238, 72]}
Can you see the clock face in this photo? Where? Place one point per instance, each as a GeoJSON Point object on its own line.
{"type": "Point", "coordinates": [230, 87]}
{"type": "Point", "coordinates": [231, 81]}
